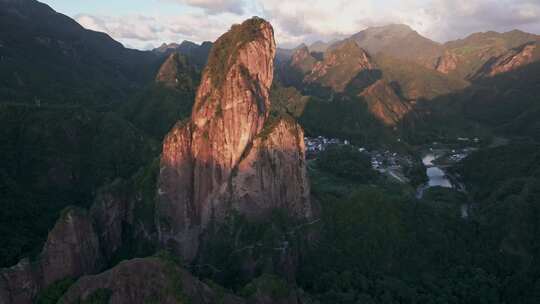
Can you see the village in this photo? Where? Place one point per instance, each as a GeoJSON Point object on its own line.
{"type": "Point", "coordinates": [385, 162]}
{"type": "Point", "coordinates": [392, 163]}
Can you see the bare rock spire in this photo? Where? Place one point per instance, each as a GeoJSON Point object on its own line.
{"type": "Point", "coordinates": [230, 155]}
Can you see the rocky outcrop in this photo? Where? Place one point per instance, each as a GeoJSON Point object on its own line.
{"type": "Point", "coordinates": [511, 60]}
{"type": "Point", "coordinates": [340, 66]}
{"type": "Point", "coordinates": [176, 73]}
{"type": "Point", "coordinates": [72, 249]}
{"type": "Point", "coordinates": [226, 156]}
{"type": "Point", "coordinates": [112, 211]}
{"type": "Point", "coordinates": [293, 69]}
{"type": "Point", "coordinates": [447, 63]}
{"type": "Point", "coordinates": [302, 60]}
{"type": "Point", "coordinates": [349, 69]}
{"type": "Point", "coordinates": [19, 284]}
{"type": "Point", "coordinates": [465, 58]}
{"type": "Point", "coordinates": [384, 103]}
{"type": "Point", "coordinates": [149, 280]}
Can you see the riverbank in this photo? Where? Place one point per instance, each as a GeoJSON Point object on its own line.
{"type": "Point", "coordinates": [437, 163]}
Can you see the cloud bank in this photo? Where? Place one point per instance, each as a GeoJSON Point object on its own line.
{"type": "Point", "coordinates": [213, 7]}
{"type": "Point", "coordinates": [297, 21]}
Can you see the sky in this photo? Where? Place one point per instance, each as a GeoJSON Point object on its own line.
{"type": "Point", "coordinates": [145, 24]}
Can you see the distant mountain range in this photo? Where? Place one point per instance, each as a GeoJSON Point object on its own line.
{"type": "Point", "coordinates": [461, 58]}
{"type": "Point", "coordinates": [197, 152]}
{"type": "Point", "coordinates": [79, 66]}
{"type": "Point", "coordinates": [418, 69]}
{"type": "Point", "coordinates": [195, 53]}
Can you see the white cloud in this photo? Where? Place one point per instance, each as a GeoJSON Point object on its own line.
{"type": "Point", "coordinates": [297, 21]}
{"type": "Point", "coordinates": [135, 27]}
{"type": "Point", "coordinates": [440, 20]}
{"type": "Point", "coordinates": [216, 6]}
{"type": "Point", "coordinates": [452, 19]}
{"type": "Point", "coordinates": [146, 32]}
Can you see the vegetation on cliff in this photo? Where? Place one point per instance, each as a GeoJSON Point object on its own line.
{"type": "Point", "coordinates": [370, 240]}
{"type": "Point", "coordinates": [225, 50]}
{"type": "Point", "coordinates": [53, 157]}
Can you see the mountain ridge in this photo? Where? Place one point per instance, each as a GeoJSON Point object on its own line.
{"type": "Point", "coordinates": [75, 65]}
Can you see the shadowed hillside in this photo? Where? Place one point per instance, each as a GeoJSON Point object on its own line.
{"type": "Point", "coordinates": [48, 58]}
{"type": "Point", "coordinates": [505, 104]}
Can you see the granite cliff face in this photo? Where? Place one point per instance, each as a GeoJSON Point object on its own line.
{"type": "Point", "coordinates": [229, 156]}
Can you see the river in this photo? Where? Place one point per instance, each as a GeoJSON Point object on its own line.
{"type": "Point", "coordinates": [438, 178]}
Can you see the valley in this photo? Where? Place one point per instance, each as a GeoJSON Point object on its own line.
{"type": "Point", "coordinates": [376, 167]}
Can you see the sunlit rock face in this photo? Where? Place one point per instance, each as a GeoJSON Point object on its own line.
{"type": "Point", "coordinates": [273, 173]}
{"type": "Point", "coordinates": [229, 155]}
{"type": "Point", "coordinates": [347, 68]}
{"type": "Point", "coordinates": [511, 60]}
{"type": "Point", "coordinates": [384, 103]}
{"type": "Point", "coordinates": [340, 66]}
{"type": "Point", "coordinates": [447, 63]}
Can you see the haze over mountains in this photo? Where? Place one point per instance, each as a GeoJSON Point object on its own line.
{"type": "Point", "coordinates": [235, 171]}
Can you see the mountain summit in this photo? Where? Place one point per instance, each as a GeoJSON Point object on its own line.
{"type": "Point", "coordinates": [399, 41]}
{"type": "Point", "coordinates": [230, 155]}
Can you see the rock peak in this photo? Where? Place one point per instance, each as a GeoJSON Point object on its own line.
{"type": "Point", "coordinates": [241, 57]}
{"type": "Point", "coordinates": [218, 161]}
{"type": "Point", "coordinates": [227, 48]}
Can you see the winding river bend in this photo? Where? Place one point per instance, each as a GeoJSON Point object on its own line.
{"type": "Point", "coordinates": [436, 175]}
{"type": "Point", "coordinates": [438, 178]}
